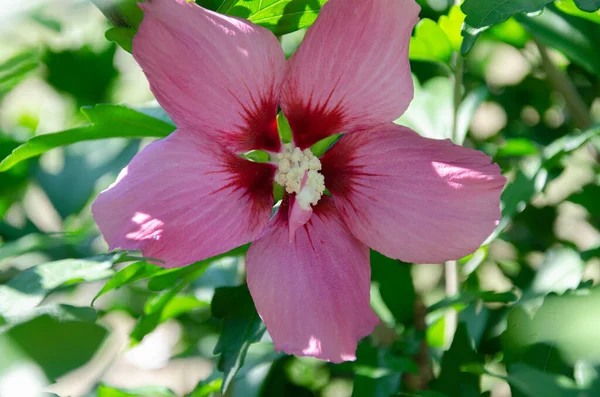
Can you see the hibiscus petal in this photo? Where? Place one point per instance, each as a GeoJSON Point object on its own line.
{"type": "Point", "coordinates": [184, 199]}
{"type": "Point", "coordinates": [313, 293]}
{"type": "Point", "coordinates": [412, 198]}
{"type": "Point", "coordinates": [351, 72]}
{"type": "Point", "coordinates": [217, 74]}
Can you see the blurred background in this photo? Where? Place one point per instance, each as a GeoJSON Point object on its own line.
{"type": "Point", "coordinates": [520, 317]}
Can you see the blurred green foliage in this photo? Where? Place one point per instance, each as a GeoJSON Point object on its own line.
{"type": "Point", "coordinates": [519, 80]}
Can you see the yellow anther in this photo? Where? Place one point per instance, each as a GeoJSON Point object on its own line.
{"type": "Point", "coordinates": [293, 164]}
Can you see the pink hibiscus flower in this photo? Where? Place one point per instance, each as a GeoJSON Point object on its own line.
{"type": "Point", "coordinates": [191, 196]}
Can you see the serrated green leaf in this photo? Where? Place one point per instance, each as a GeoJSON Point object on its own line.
{"type": "Point", "coordinates": [242, 326]}
{"type": "Point", "coordinates": [107, 121]}
{"type": "Point", "coordinates": [26, 290]}
{"type": "Point", "coordinates": [430, 43]}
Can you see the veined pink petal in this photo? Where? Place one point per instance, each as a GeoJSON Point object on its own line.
{"type": "Point", "coordinates": [313, 293]}
{"type": "Point", "coordinates": [351, 72]}
{"type": "Point", "coordinates": [184, 199]}
{"type": "Point", "coordinates": [413, 198]}
{"type": "Point", "coordinates": [213, 73]}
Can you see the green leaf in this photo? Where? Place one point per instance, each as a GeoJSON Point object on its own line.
{"type": "Point", "coordinates": [467, 297]}
{"type": "Point", "coordinates": [15, 69]}
{"type": "Point", "coordinates": [588, 198]}
{"type": "Point", "coordinates": [65, 345]}
{"type": "Point", "coordinates": [279, 16]}
{"type": "Point", "coordinates": [452, 381]}
{"type": "Point", "coordinates": [480, 15]}
{"type": "Point", "coordinates": [569, 7]}
{"type": "Point", "coordinates": [208, 386]}
{"type": "Point", "coordinates": [578, 39]}
{"type": "Point", "coordinates": [394, 281]}
{"type": "Point", "coordinates": [107, 121]}
{"type": "Point", "coordinates": [568, 322]}
{"type": "Point", "coordinates": [588, 5]}
{"type": "Point", "coordinates": [148, 391]}
{"type": "Point", "coordinates": [562, 269]}
{"type": "Point", "coordinates": [533, 382]}
{"type": "Point", "coordinates": [26, 290]}
{"type": "Point", "coordinates": [451, 25]}
{"type": "Point", "coordinates": [121, 36]}
{"type": "Point", "coordinates": [510, 32]}
{"type": "Point", "coordinates": [517, 147]}
{"type": "Point", "coordinates": [167, 278]}
{"type": "Point", "coordinates": [430, 43]}
{"type": "Point", "coordinates": [241, 327]}
{"type": "Point", "coordinates": [130, 274]}
{"type": "Point", "coordinates": [319, 148]}
{"type": "Point", "coordinates": [377, 372]}
{"type": "Point", "coordinates": [121, 13]}
{"type": "Point", "coordinates": [438, 93]}
{"type": "Point", "coordinates": [166, 305]}
{"type": "Point", "coordinates": [30, 243]}
{"type": "Point", "coordinates": [532, 180]}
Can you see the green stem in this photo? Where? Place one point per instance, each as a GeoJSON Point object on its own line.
{"type": "Point", "coordinates": [575, 104]}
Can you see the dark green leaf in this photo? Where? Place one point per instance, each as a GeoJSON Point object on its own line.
{"type": "Point", "coordinates": [394, 281]}
{"type": "Point", "coordinates": [167, 278]}
{"type": "Point", "coordinates": [378, 372]}
{"type": "Point", "coordinates": [467, 297]}
{"type": "Point", "coordinates": [149, 391]}
{"type": "Point", "coordinates": [588, 5]}
{"type": "Point", "coordinates": [241, 327]}
{"type": "Point", "coordinates": [160, 308]}
{"type": "Point", "coordinates": [535, 383]}
{"type": "Point", "coordinates": [107, 121]}
{"type": "Point", "coordinates": [452, 381]}
{"type": "Point", "coordinates": [65, 345]}
{"type": "Point", "coordinates": [26, 290]}
{"type": "Point", "coordinates": [480, 15]}
{"type": "Point", "coordinates": [588, 198]}
{"type": "Point", "coordinates": [85, 74]}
